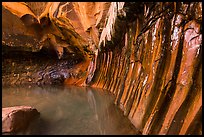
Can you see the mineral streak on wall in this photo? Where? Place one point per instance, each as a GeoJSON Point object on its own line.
{"type": "Point", "coordinates": [150, 58]}
{"type": "Point", "coordinates": [148, 54]}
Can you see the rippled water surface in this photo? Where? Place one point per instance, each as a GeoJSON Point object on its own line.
{"type": "Point", "coordinates": [69, 110]}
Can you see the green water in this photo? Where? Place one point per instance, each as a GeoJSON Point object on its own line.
{"type": "Point", "coordinates": [69, 110]}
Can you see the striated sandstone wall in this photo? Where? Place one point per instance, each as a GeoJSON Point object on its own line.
{"type": "Point", "coordinates": [148, 54]}
{"type": "Point", "coordinates": [151, 62]}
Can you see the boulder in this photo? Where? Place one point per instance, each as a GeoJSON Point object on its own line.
{"type": "Point", "coordinates": [17, 118]}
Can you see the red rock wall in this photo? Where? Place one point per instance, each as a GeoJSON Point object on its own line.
{"type": "Point", "coordinates": [156, 75]}
{"type": "Point", "coordinates": [148, 54]}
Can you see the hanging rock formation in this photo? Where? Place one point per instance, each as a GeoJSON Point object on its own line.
{"type": "Point", "coordinates": [148, 54]}
{"type": "Point", "coordinates": [68, 31]}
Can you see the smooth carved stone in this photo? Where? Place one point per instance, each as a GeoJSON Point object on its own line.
{"type": "Point", "coordinates": [15, 119]}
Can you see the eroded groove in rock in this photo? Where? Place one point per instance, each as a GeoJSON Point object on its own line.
{"type": "Point", "coordinates": [148, 54]}
{"type": "Point", "coordinates": [56, 27]}
{"type": "Point", "coordinates": [151, 69]}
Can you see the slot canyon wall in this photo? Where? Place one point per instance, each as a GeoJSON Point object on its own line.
{"type": "Point", "coordinates": [148, 54]}
{"type": "Point", "coordinates": [152, 64]}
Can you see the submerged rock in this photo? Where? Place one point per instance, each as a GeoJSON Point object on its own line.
{"type": "Point", "coordinates": [17, 118]}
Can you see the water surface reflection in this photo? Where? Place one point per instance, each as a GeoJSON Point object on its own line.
{"type": "Point", "coordinates": [69, 110]}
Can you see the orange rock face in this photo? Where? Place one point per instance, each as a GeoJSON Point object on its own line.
{"type": "Point", "coordinates": [147, 54]}
{"type": "Point", "coordinates": [154, 67]}
{"type": "Point", "coordinates": [55, 25]}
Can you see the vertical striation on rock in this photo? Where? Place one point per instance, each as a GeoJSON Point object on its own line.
{"type": "Point", "coordinates": [153, 66]}
{"type": "Point", "coordinates": [148, 54]}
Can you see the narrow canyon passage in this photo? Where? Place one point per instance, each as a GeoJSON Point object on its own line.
{"type": "Point", "coordinates": [148, 55]}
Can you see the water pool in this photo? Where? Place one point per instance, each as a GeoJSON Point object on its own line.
{"type": "Point", "coordinates": [69, 110]}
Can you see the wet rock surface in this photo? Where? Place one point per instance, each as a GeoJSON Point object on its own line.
{"type": "Point", "coordinates": [16, 119]}
{"type": "Point", "coordinates": [148, 54]}
{"type": "Point", "coordinates": [21, 67]}
{"type": "Point", "coordinates": [153, 66]}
